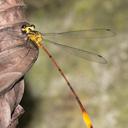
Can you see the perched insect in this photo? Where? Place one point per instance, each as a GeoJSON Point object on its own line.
{"type": "Point", "coordinates": [37, 38]}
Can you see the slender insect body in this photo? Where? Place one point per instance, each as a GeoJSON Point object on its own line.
{"type": "Point", "coordinates": [37, 38]}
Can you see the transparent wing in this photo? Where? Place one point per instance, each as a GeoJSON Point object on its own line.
{"type": "Point", "coordinates": [80, 53]}
{"type": "Point", "coordinates": [64, 37]}
{"type": "Point", "coordinates": [73, 36]}
{"type": "Point", "coordinates": [78, 36]}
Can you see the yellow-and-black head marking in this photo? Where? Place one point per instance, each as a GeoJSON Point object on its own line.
{"type": "Point", "coordinates": [32, 35]}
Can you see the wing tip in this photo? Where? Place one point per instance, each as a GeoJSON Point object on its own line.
{"type": "Point", "coordinates": [102, 60]}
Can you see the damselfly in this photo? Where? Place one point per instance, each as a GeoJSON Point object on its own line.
{"type": "Point", "coordinates": [36, 38]}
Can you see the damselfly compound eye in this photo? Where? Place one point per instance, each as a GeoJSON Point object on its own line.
{"type": "Point", "coordinates": [32, 26]}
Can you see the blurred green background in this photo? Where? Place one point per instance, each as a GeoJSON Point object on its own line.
{"type": "Point", "coordinates": [102, 88]}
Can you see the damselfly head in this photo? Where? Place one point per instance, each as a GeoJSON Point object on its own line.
{"type": "Point", "coordinates": [27, 28]}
